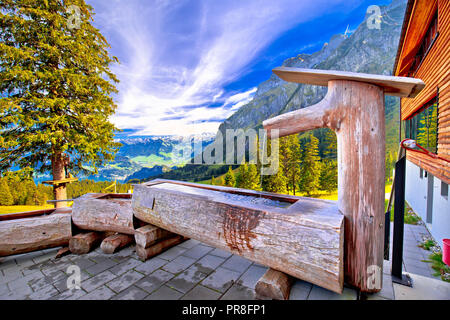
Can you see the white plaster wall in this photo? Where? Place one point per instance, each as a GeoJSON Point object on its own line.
{"type": "Point", "coordinates": [416, 196]}
{"type": "Point", "coordinates": [440, 228]}
{"type": "Point", "coordinates": [416, 190]}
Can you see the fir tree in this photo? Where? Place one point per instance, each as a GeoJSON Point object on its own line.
{"type": "Point", "coordinates": [328, 176]}
{"type": "Point", "coordinates": [55, 88]}
{"type": "Point", "coordinates": [310, 167]}
{"type": "Point", "coordinates": [248, 177]}
{"type": "Point", "coordinates": [291, 161]}
{"type": "Point", "coordinates": [275, 182]}
{"type": "Point", "coordinates": [330, 151]}
{"type": "Point", "coordinates": [6, 198]}
{"type": "Point", "coordinates": [230, 180]}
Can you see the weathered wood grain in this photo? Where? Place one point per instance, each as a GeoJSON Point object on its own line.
{"type": "Point", "coordinates": [34, 233]}
{"type": "Point", "coordinates": [157, 248]}
{"type": "Point", "coordinates": [64, 251]}
{"type": "Point", "coordinates": [150, 234]}
{"type": "Point", "coordinates": [355, 111]}
{"type": "Point", "coordinates": [304, 239]}
{"type": "Point", "coordinates": [115, 242]}
{"type": "Point", "coordinates": [395, 86]}
{"type": "Point", "coordinates": [104, 212]}
{"type": "Point", "coordinates": [85, 242]}
{"type": "Point", "coordinates": [274, 285]}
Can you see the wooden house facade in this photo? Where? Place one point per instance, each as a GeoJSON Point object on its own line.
{"type": "Point", "coordinates": [424, 53]}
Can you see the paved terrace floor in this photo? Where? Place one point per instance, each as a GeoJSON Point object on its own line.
{"type": "Point", "coordinates": [191, 270]}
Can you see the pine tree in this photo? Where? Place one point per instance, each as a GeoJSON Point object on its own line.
{"type": "Point", "coordinates": [276, 182]}
{"type": "Point", "coordinates": [291, 161]}
{"type": "Point", "coordinates": [330, 151]}
{"type": "Point", "coordinates": [248, 177]}
{"type": "Point", "coordinates": [212, 181]}
{"type": "Point", "coordinates": [6, 198]}
{"type": "Point", "coordinates": [230, 180]}
{"type": "Point", "coordinates": [328, 176]}
{"type": "Point", "coordinates": [310, 167]}
{"type": "Point", "coordinates": [56, 89]}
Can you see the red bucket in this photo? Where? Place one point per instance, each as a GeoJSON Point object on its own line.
{"type": "Point", "coordinates": [446, 251]}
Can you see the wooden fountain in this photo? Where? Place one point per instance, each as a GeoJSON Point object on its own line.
{"type": "Point", "coordinates": [354, 109]}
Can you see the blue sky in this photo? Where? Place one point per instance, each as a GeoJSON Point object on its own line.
{"type": "Point", "coordinates": [185, 66]}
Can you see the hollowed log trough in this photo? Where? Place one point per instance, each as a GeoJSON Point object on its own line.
{"type": "Point", "coordinates": [104, 212]}
{"type": "Point", "coordinates": [302, 237]}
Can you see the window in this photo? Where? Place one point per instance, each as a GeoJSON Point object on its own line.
{"type": "Point", "coordinates": [423, 126]}
{"type": "Point", "coordinates": [421, 173]}
{"type": "Point", "coordinates": [427, 43]}
{"type": "Point", "coordinates": [444, 189]}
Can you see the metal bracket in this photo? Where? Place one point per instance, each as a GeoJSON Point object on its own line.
{"type": "Point", "coordinates": [404, 280]}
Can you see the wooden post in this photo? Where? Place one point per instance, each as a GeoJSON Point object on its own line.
{"type": "Point", "coordinates": [274, 285]}
{"type": "Point", "coordinates": [84, 242]}
{"type": "Point", "coordinates": [354, 109]}
{"type": "Point", "coordinates": [150, 234]}
{"type": "Point", "coordinates": [157, 248]}
{"type": "Point", "coordinates": [115, 242]}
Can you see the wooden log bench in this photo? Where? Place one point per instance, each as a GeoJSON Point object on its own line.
{"type": "Point", "coordinates": [104, 212]}
{"type": "Point", "coordinates": [301, 237]}
{"type": "Point", "coordinates": [35, 230]}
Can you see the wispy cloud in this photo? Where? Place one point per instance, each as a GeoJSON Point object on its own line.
{"type": "Point", "coordinates": [178, 56]}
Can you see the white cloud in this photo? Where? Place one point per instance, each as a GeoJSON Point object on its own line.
{"type": "Point", "coordinates": [182, 54]}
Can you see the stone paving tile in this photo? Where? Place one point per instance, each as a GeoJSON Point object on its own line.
{"type": "Point", "coordinates": [14, 296]}
{"type": "Point", "coordinates": [201, 293]}
{"type": "Point", "coordinates": [197, 252]}
{"type": "Point", "coordinates": [71, 294]}
{"type": "Point", "coordinates": [165, 293]}
{"type": "Point", "coordinates": [132, 293]}
{"type": "Point", "coordinates": [300, 290]}
{"type": "Point", "coordinates": [153, 281]}
{"type": "Point", "coordinates": [238, 292]}
{"type": "Point", "coordinates": [172, 253]}
{"type": "Point", "coordinates": [124, 281]}
{"type": "Point", "coordinates": [221, 253]}
{"type": "Point", "coordinates": [189, 244]}
{"type": "Point", "coordinates": [101, 266]}
{"type": "Point", "coordinates": [46, 256]}
{"type": "Point", "coordinates": [44, 293]}
{"type": "Point", "coordinates": [19, 287]}
{"type": "Point", "coordinates": [209, 263]}
{"type": "Point", "coordinates": [93, 283]}
{"type": "Point", "coordinates": [82, 262]}
{"type": "Point", "coordinates": [150, 265]}
{"type": "Point", "coordinates": [318, 293]}
{"type": "Point", "coordinates": [237, 263]}
{"type": "Point", "coordinates": [126, 265]}
{"type": "Point", "coordinates": [221, 279]}
{"type": "Point", "coordinates": [4, 289]}
{"type": "Point", "coordinates": [39, 283]}
{"type": "Point", "coordinates": [179, 264]}
{"type": "Point", "coordinates": [426, 272]}
{"type": "Point", "coordinates": [387, 290]}
{"type": "Point", "coordinates": [102, 293]}
{"type": "Point", "coordinates": [187, 279]}
{"type": "Point", "coordinates": [251, 276]}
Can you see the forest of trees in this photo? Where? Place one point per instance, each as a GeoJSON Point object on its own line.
{"type": "Point", "coordinates": [304, 167]}
{"type": "Point", "coordinates": [18, 188]}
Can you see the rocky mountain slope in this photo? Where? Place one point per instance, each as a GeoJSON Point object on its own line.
{"type": "Point", "coordinates": [365, 50]}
